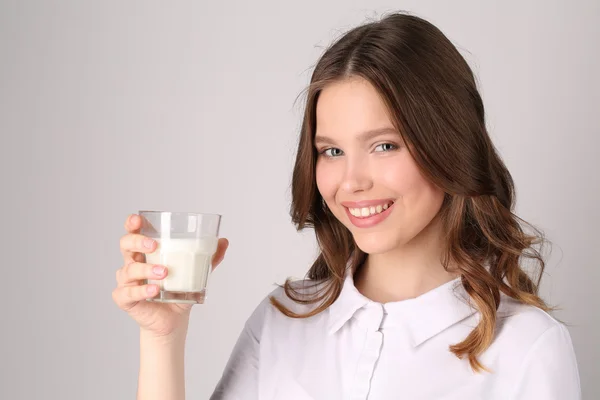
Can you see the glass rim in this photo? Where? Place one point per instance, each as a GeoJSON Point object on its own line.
{"type": "Point", "coordinates": [179, 212]}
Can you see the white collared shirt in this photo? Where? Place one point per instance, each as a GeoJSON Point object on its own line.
{"type": "Point", "coordinates": [358, 349]}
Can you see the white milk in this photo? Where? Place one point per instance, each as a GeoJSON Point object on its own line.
{"type": "Point", "coordinates": [187, 262]}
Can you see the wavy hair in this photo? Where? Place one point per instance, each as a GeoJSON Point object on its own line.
{"type": "Point", "coordinates": [433, 101]}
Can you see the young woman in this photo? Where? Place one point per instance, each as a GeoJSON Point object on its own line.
{"type": "Point", "coordinates": [418, 292]}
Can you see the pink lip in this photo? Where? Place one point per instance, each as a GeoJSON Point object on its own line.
{"type": "Point", "coordinates": [368, 222]}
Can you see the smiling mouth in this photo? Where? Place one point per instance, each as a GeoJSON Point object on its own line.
{"type": "Point", "coordinates": [366, 212]}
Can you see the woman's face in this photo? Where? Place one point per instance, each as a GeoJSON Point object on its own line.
{"type": "Point", "coordinates": [365, 174]}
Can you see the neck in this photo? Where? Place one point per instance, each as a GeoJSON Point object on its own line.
{"type": "Point", "coordinates": [407, 271]}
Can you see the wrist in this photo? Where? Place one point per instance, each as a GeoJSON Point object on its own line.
{"type": "Point", "coordinates": [178, 336]}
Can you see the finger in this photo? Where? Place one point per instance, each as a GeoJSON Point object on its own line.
{"type": "Point", "coordinates": [138, 257]}
{"type": "Point", "coordinates": [136, 271]}
{"type": "Point", "coordinates": [127, 296]}
{"type": "Point", "coordinates": [136, 243]}
{"type": "Point", "coordinates": [134, 257]}
{"type": "Point", "coordinates": [220, 253]}
{"type": "Point", "coordinates": [133, 223]}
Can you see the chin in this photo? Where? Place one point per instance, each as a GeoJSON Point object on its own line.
{"type": "Point", "coordinates": [376, 242]}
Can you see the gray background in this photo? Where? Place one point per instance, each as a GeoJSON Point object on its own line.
{"type": "Point", "coordinates": [109, 107]}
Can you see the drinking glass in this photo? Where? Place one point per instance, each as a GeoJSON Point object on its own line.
{"type": "Point", "coordinates": [186, 244]}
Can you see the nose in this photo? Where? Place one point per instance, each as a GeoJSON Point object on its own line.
{"type": "Point", "coordinates": [356, 176]}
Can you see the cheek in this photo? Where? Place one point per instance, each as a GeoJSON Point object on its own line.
{"type": "Point", "coordinates": [415, 190]}
{"type": "Point", "coordinates": [325, 181]}
{"type": "Point", "coordinates": [398, 175]}
{"type": "Point", "coordinates": [420, 200]}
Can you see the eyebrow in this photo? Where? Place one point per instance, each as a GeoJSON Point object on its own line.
{"type": "Point", "coordinates": [364, 136]}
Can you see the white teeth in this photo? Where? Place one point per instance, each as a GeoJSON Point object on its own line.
{"type": "Point", "coordinates": [368, 211]}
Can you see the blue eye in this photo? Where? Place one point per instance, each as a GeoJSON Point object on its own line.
{"type": "Point", "coordinates": [332, 152]}
{"type": "Point", "coordinates": [386, 147]}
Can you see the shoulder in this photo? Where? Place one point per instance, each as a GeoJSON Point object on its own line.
{"type": "Point", "coordinates": [296, 299]}
{"type": "Point", "coordinates": [538, 350]}
{"type": "Point", "coordinates": [524, 323]}
{"type": "Point", "coordinates": [527, 334]}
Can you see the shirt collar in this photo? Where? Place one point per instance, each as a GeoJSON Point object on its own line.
{"type": "Point", "coordinates": [424, 316]}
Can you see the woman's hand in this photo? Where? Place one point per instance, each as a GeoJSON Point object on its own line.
{"type": "Point", "coordinates": [160, 319]}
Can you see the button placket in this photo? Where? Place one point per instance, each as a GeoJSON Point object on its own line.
{"type": "Point", "coordinates": [373, 315]}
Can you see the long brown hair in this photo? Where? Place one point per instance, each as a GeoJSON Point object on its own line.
{"type": "Point", "coordinates": [433, 101]}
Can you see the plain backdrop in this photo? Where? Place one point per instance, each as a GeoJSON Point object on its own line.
{"type": "Point", "coordinates": [109, 107]}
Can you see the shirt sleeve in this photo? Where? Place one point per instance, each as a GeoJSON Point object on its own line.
{"type": "Point", "coordinates": [240, 377]}
{"type": "Point", "coordinates": [550, 370]}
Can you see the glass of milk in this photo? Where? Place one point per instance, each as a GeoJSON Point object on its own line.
{"type": "Point", "coordinates": [186, 244]}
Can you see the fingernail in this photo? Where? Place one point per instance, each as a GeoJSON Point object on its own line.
{"type": "Point", "coordinates": [152, 289]}
{"type": "Point", "coordinates": [134, 219]}
{"type": "Point", "coordinates": [158, 270]}
{"type": "Point", "coordinates": [148, 243]}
